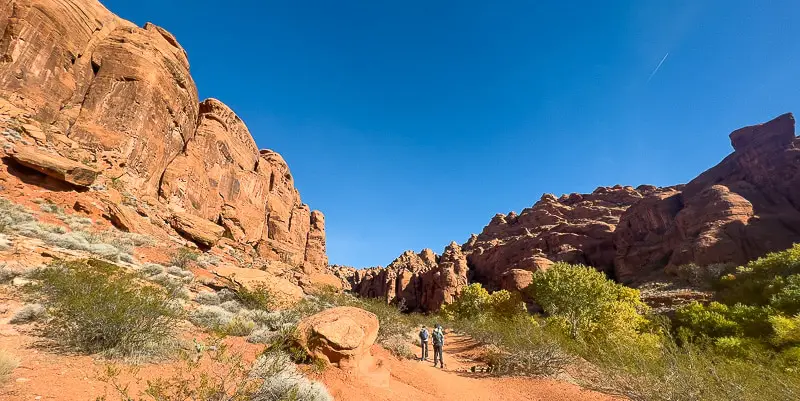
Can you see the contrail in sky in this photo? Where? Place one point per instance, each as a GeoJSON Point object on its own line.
{"type": "Point", "coordinates": [658, 66]}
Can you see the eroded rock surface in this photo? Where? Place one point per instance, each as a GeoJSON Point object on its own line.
{"type": "Point", "coordinates": [740, 209]}
{"type": "Point", "coordinates": [95, 101]}
{"type": "Point", "coordinates": [423, 281]}
{"type": "Point", "coordinates": [341, 336]}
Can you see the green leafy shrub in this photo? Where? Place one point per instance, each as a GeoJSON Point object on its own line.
{"type": "Point", "coordinates": [685, 373]}
{"type": "Point", "coordinates": [476, 302]}
{"type": "Point", "coordinates": [786, 330]}
{"type": "Point", "coordinates": [770, 280]}
{"type": "Point", "coordinates": [586, 302]}
{"type": "Point", "coordinates": [257, 297]}
{"type": "Point", "coordinates": [98, 307]}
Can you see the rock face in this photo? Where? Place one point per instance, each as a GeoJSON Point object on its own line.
{"type": "Point", "coordinates": [113, 105]}
{"type": "Point", "coordinates": [341, 336]}
{"type": "Point", "coordinates": [575, 228]}
{"type": "Point", "coordinates": [740, 209]}
{"type": "Point", "coordinates": [423, 281]}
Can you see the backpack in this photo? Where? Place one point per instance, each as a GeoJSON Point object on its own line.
{"type": "Point", "coordinates": [423, 335]}
{"type": "Point", "coordinates": [438, 337]}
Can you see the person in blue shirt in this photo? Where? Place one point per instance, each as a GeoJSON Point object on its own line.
{"type": "Point", "coordinates": [424, 336]}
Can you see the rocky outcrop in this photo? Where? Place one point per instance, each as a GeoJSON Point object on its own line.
{"type": "Point", "coordinates": [423, 281]}
{"type": "Point", "coordinates": [112, 105]}
{"type": "Point", "coordinates": [740, 209]}
{"type": "Point", "coordinates": [574, 228]}
{"type": "Point", "coordinates": [54, 166]}
{"type": "Point", "coordinates": [341, 336]}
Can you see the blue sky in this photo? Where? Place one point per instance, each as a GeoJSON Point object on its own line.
{"type": "Point", "coordinates": [410, 124]}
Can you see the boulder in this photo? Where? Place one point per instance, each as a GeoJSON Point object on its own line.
{"type": "Point", "coordinates": [54, 166]}
{"type": "Point", "coordinates": [341, 336]}
{"type": "Point", "coordinates": [197, 229]}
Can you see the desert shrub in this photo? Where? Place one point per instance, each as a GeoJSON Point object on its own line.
{"type": "Point", "coordinates": [28, 313]}
{"type": "Point", "coordinates": [49, 207]}
{"type": "Point", "coordinates": [98, 307]}
{"type": "Point", "coordinates": [271, 320]}
{"type": "Point", "coordinates": [226, 295]}
{"type": "Point", "coordinates": [283, 382]}
{"type": "Point", "coordinates": [179, 272]}
{"type": "Point", "coordinates": [7, 275]}
{"type": "Point", "coordinates": [210, 316]}
{"type": "Point", "coordinates": [7, 365]}
{"type": "Point", "coordinates": [771, 280]}
{"type": "Point", "coordinates": [152, 269]}
{"type": "Point", "coordinates": [222, 376]}
{"type": "Point", "coordinates": [262, 335]}
{"type": "Point", "coordinates": [5, 243]}
{"type": "Point", "coordinates": [76, 222]}
{"type": "Point", "coordinates": [207, 298]}
{"type": "Point", "coordinates": [586, 302]}
{"type": "Point", "coordinates": [221, 321]}
{"type": "Point", "coordinates": [398, 346]}
{"type": "Point", "coordinates": [183, 256]}
{"type": "Point", "coordinates": [231, 306]}
{"type": "Point", "coordinates": [518, 345]}
{"type": "Point", "coordinates": [475, 302]}
{"type": "Point", "coordinates": [238, 326]}
{"type": "Point", "coordinates": [670, 372]}
{"type": "Point", "coordinates": [257, 297]}
{"type": "Point", "coordinates": [12, 215]}
{"type": "Point", "coordinates": [285, 341]}
{"type": "Point", "coordinates": [786, 330]}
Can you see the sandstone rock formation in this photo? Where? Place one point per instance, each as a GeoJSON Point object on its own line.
{"type": "Point", "coordinates": [740, 209]}
{"type": "Point", "coordinates": [575, 228]}
{"type": "Point", "coordinates": [95, 101]}
{"type": "Point", "coordinates": [341, 336]}
{"type": "Point", "coordinates": [423, 281]}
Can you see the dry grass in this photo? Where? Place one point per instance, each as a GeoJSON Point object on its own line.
{"type": "Point", "coordinates": [7, 365]}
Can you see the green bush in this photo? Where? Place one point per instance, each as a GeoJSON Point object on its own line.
{"type": "Point", "coordinates": [586, 302]}
{"type": "Point", "coordinates": [771, 280]}
{"type": "Point", "coordinates": [98, 307]}
{"type": "Point", "coordinates": [786, 330]}
{"type": "Point", "coordinates": [257, 297]}
{"type": "Point", "coordinates": [476, 302]}
{"type": "Point", "coordinates": [670, 372]}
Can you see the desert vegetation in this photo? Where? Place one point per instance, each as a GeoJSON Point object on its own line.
{"type": "Point", "coordinates": [97, 307]}
{"type": "Point", "coordinates": [7, 365]}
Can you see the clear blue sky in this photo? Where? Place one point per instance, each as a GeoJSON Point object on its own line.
{"type": "Point", "coordinates": [411, 123]}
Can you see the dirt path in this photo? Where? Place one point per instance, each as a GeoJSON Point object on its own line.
{"type": "Point", "coordinates": [418, 380]}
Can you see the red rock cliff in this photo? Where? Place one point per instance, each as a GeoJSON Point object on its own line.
{"type": "Point", "coordinates": [110, 104]}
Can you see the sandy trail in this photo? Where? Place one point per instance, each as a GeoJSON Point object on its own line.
{"type": "Point", "coordinates": [419, 380]}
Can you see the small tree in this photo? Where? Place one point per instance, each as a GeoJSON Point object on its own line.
{"type": "Point", "coordinates": [586, 301]}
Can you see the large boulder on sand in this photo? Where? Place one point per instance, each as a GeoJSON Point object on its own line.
{"type": "Point", "coordinates": [342, 336]}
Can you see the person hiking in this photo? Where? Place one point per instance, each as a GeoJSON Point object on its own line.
{"type": "Point", "coordinates": [438, 345]}
{"type": "Point", "coordinates": [424, 336]}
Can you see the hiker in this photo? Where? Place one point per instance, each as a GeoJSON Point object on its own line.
{"type": "Point", "coordinates": [423, 343]}
{"type": "Point", "coordinates": [438, 344]}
